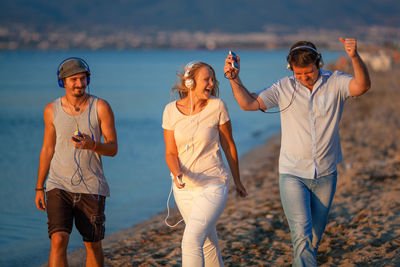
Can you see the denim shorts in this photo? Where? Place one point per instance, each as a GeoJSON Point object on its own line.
{"type": "Point", "coordinates": [63, 207]}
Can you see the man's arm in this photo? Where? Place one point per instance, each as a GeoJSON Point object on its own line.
{"type": "Point", "coordinates": [245, 99]}
{"type": "Point", "coordinates": [46, 154]}
{"type": "Point", "coordinates": [105, 116]}
{"type": "Point", "coordinates": [361, 82]}
{"type": "Point", "coordinates": [107, 126]}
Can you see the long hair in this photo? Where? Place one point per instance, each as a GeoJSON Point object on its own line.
{"type": "Point", "coordinates": [191, 73]}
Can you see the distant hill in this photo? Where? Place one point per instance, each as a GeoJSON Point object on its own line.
{"type": "Point", "coordinates": [233, 16]}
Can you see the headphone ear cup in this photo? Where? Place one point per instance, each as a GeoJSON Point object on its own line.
{"type": "Point", "coordinates": [88, 79]}
{"type": "Point", "coordinates": [189, 83]}
{"type": "Point", "coordinates": [321, 62]}
{"type": "Point", "coordinates": [288, 59]}
{"type": "Point", "coordinates": [60, 83]}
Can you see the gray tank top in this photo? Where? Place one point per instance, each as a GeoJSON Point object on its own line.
{"type": "Point", "coordinates": [76, 170]}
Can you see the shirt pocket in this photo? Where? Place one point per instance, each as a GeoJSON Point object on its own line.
{"type": "Point", "coordinates": [324, 103]}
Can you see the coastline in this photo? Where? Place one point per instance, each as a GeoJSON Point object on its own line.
{"type": "Point", "coordinates": [363, 226]}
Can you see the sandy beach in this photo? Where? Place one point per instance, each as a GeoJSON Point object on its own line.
{"type": "Point", "coordinates": [364, 223]}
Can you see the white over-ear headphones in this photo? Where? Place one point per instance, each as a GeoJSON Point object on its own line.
{"type": "Point", "coordinates": [189, 83]}
{"type": "Point", "coordinates": [319, 60]}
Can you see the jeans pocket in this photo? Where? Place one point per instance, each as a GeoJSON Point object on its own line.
{"type": "Point", "coordinates": [215, 192]}
{"type": "Point", "coordinates": [220, 191]}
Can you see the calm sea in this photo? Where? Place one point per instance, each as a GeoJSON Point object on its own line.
{"type": "Point", "coordinates": [137, 86]}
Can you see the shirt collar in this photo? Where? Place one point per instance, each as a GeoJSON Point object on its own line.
{"type": "Point", "coordinates": [323, 77]}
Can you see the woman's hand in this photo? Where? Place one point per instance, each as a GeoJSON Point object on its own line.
{"type": "Point", "coordinates": [178, 181]}
{"type": "Point", "coordinates": [240, 190]}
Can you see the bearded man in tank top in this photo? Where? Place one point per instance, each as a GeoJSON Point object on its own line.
{"type": "Point", "coordinates": [70, 159]}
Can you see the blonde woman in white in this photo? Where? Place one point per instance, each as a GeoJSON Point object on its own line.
{"type": "Point", "coordinates": [194, 126]}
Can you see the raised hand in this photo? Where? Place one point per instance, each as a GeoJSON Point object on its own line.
{"type": "Point", "coordinates": [350, 45]}
{"type": "Point", "coordinates": [229, 71]}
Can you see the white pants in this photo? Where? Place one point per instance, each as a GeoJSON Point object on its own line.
{"type": "Point", "coordinates": [201, 208]}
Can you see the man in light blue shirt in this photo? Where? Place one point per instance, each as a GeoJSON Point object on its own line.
{"type": "Point", "coordinates": [311, 104]}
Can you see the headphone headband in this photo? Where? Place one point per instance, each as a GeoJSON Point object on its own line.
{"type": "Point", "coordinates": [304, 46]}
{"type": "Point", "coordinates": [189, 66]}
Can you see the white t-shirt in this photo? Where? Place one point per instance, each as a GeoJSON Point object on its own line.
{"type": "Point", "coordinates": [197, 141]}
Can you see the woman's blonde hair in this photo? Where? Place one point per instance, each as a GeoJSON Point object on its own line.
{"type": "Point", "coordinates": [191, 73]}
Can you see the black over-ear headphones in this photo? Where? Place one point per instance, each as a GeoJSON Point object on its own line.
{"type": "Point", "coordinates": [318, 62]}
{"type": "Point", "coordinates": [85, 64]}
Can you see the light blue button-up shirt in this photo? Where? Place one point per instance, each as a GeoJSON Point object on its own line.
{"type": "Point", "coordinates": [310, 145]}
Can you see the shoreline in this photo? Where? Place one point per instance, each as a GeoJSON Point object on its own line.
{"type": "Point", "coordinates": [363, 225]}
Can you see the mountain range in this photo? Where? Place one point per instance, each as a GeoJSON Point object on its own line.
{"type": "Point", "coordinates": [234, 16]}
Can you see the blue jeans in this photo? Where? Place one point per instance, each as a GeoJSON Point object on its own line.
{"type": "Point", "coordinates": [306, 203]}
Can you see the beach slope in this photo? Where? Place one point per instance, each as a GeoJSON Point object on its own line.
{"type": "Point", "coordinates": [364, 223]}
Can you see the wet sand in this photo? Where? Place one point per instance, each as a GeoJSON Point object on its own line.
{"type": "Point", "coordinates": [364, 223]}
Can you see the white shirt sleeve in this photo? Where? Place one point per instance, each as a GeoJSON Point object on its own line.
{"type": "Point", "coordinates": [270, 95]}
{"type": "Point", "coordinates": [223, 113]}
{"type": "Point", "coordinates": [167, 117]}
{"type": "Point", "coordinates": [342, 83]}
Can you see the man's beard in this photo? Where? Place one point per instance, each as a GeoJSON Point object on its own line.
{"type": "Point", "coordinates": [80, 93]}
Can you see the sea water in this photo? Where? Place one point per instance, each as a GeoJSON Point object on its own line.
{"type": "Point", "coordinates": [137, 85]}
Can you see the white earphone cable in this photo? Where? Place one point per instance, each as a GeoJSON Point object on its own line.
{"type": "Point", "coordinates": [166, 218]}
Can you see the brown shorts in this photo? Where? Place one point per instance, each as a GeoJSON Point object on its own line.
{"type": "Point", "coordinates": [63, 207]}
